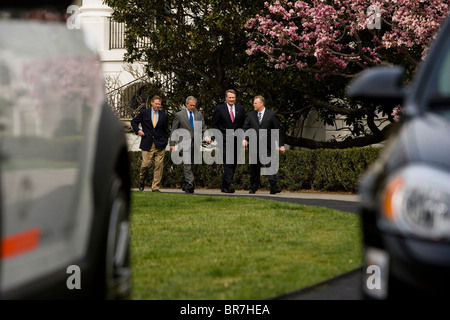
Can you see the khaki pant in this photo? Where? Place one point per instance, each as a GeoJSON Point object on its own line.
{"type": "Point", "coordinates": [147, 159]}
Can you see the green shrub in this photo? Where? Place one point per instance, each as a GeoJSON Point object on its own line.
{"type": "Point", "coordinates": [296, 170]}
{"type": "Point", "coordinates": [321, 169]}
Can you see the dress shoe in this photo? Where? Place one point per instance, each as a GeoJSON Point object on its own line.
{"type": "Point", "coordinates": [231, 188]}
{"type": "Point", "coordinates": [141, 187]}
{"type": "Point", "coordinates": [189, 188]}
{"type": "Point", "coordinates": [252, 191]}
{"type": "Point", "coordinates": [226, 190]}
{"type": "Point", "coordinates": [156, 190]}
{"type": "Point", "coordinates": [275, 191]}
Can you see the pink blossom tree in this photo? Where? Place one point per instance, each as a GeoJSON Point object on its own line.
{"type": "Point", "coordinates": [330, 41]}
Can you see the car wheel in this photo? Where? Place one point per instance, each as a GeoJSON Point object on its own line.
{"type": "Point", "coordinates": [118, 267]}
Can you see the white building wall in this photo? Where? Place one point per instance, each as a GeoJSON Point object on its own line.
{"type": "Point", "coordinates": [95, 21]}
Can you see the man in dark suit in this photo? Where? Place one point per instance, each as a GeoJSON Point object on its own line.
{"type": "Point", "coordinates": [229, 116]}
{"type": "Point", "coordinates": [268, 136]}
{"type": "Point", "coordinates": [193, 123]}
{"type": "Point", "coordinates": [152, 125]}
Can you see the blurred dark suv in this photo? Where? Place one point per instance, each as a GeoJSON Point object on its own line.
{"type": "Point", "coordinates": [405, 196]}
{"type": "Point", "coordinates": [64, 168]}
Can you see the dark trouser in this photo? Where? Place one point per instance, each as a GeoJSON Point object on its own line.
{"type": "Point", "coordinates": [228, 174]}
{"type": "Point", "coordinates": [189, 170]}
{"type": "Point", "coordinates": [255, 177]}
{"type": "Point", "coordinates": [229, 165]}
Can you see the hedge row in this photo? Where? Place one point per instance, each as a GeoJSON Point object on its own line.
{"type": "Point", "coordinates": [322, 169]}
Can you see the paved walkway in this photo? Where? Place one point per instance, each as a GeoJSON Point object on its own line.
{"type": "Point", "coordinates": [346, 202]}
{"type": "Point", "coordinates": [342, 196]}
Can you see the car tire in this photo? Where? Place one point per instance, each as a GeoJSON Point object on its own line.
{"type": "Point", "coordinates": [117, 262]}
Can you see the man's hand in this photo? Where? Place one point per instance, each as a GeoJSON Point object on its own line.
{"type": "Point", "coordinates": [282, 149]}
{"type": "Point", "coordinates": [141, 133]}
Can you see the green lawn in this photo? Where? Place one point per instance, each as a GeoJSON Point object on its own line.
{"type": "Point", "coordinates": [235, 248]}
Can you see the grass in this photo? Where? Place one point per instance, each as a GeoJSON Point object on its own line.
{"type": "Point", "coordinates": [189, 247]}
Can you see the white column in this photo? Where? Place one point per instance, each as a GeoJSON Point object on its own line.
{"type": "Point", "coordinates": [94, 20]}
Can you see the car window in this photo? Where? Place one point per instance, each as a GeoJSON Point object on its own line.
{"type": "Point", "coordinates": [50, 91]}
{"type": "Point", "coordinates": [440, 100]}
{"type": "Point", "coordinates": [443, 77]}
{"type": "Point", "coordinates": [437, 89]}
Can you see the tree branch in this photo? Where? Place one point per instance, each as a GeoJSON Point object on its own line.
{"type": "Point", "coordinates": [348, 143]}
{"type": "Point", "coordinates": [371, 123]}
{"type": "Point", "coordinates": [346, 111]}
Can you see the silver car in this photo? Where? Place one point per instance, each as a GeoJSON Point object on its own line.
{"type": "Point", "coordinates": [64, 167]}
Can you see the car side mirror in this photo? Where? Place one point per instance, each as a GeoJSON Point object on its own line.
{"type": "Point", "coordinates": [379, 84]}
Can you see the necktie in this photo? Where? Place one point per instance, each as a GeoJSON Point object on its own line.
{"type": "Point", "coordinates": [231, 114]}
{"type": "Point", "coordinates": [259, 117]}
{"type": "Point", "coordinates": [191, 119]}
{"type": "Point", "coordinates": [154, 119]}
